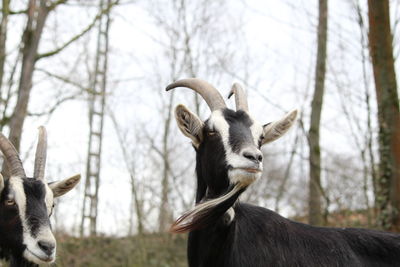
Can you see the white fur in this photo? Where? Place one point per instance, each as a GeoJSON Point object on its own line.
{"type": "Point", "coordinates": [256, 130]}
{"type": "Point", "coordinates": [231, 214]}
{"type": "Point", "coordinates": [16, 184]}
{"type": "Point", "coordinates": [1, 183]}
{"type": "Point", "coordinates": [243, 177]}
{"type": "Point", "coordinates": [33, 252]}
{"type": "Point", "coordinates": [208, 204]}
{"type": "Point", "coordinates": [236, 160]}
{"type": "Point", "coordinates": [49, 199]}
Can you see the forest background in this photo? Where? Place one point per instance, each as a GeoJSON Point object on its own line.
{"type": "Point", "coordinates": [94, 73]}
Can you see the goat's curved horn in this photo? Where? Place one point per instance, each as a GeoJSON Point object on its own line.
{"type": "Point", "coordinates": [11, 157]}
{"type": "Point", "coordinates": [240, 97]}
{"type": "Point", "coordinates": [41, 153]}
{"type": "Point", "coordinates": [207, 91]}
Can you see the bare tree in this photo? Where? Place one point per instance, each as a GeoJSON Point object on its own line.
{"type": "Point", "coordinates": [3, 37]}
{"type": "Point", "coordinates": [315, 194]}
{"type": "Point", "coordinates": [369, 134]}
{"type": "Point", "coordinates": [136, 202]}
{"type": "Point", "coordinates": [165, 211]}
{"type": "Point", "coordinates": [381, 51]}
{"type": "Point", "coordinates": [191, 35]}
{"type": "Point", "coordinates": [37, 13]}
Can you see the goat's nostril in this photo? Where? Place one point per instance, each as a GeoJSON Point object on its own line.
{"type": "Point", "coordinates": [257, 157]}
{"type": "Point", "coordinates": [249, 156]}
{"type": "Point", "coordinates": [46, 247]}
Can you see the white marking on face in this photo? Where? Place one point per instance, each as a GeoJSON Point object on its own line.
{"type": "Point", "coordinates": [239, 164]}
{"type": "Point", "coordinates": [16, 184]}
{"type": "Point", "coordinates": [49, 199]}
{"type": "Point", "coordinates": [218, 123]}
{"type": "Point", "coordinates": [32, 251]}
{"type": "Point", "coordinates": [256, 130]}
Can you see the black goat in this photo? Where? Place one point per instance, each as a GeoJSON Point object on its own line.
{"type": "Point", "coordinates": [26, 205]}
{"type": "Point", "coordinates": [226, 232]}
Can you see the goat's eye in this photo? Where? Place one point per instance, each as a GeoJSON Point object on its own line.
{"type": "Point", "coordinates": [10, 202]}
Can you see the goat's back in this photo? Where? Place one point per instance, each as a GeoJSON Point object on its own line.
{"type": "Point", "coordinates": [261, 237]}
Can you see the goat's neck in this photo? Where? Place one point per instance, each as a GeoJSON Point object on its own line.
{"type": "Point", "coordinates": [21, 262]}
{"type": "Point", "coordinates": [206, 192]}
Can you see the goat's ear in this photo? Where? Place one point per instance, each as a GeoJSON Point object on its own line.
{"type": "Point", "coordinates": [1, 183]}
{"type": "Point", "coordinates": [190, 125]}
{"type": "Point", "coordinates": [276, 129]}
{"type": "Point", "coordinates": [59, 188]}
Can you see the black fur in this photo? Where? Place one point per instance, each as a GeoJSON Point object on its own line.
{"type": "Point", "coordinates": [11, 243]}
{"type": "Point", "coordinates": [239, 129]}
{"type": "Point", "coordinates": [260, 237]}
{"type": "Point", "coordinates": [21, 262]}
{"type": "Point", "coordinates": [10, 228]}
{"type": "Point", "coordinates": [36, 211]}
{"type": "Point", "coordinates": [209, 163]}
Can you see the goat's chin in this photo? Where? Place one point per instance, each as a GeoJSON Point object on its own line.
{"type": "Point", "coordinates": [244, 177]}
{"type": "Point", "coordinates": [38, 257]}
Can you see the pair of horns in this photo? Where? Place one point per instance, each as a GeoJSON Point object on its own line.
{"type": "Point", "coordinates": [211, 95]}
{"type": "Point", "coordinates": [13, 161]}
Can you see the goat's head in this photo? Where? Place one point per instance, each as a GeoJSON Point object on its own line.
{"type": "Point", "coordinates": [26, 205]}
{"type": "Point", "coordinates": [227, 145]}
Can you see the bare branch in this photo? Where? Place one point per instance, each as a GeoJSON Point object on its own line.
{"type": "Point", "coordinates": [78, 36]}
{"type": "Point", "coordinates": [64, 79]}
{"type": "Point", "coordinates": [56, 3]}
{"type": "Point", "coordinates": [19, 12]}
{"type": "Point", "coordinates": [55, 106]}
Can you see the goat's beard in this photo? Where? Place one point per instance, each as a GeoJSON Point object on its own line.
{"type": "Point", "coordinates": [208, 212]}
{"type": "Point", "coordinates": [243, 177]}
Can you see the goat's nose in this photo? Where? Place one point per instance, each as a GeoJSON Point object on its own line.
{"type": "Point", "coordinates": [253, 155]}
{"type": "Point", "coordinates": [47, 247]}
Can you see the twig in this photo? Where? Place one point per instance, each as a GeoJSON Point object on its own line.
{"type": "Point", "coordinates": [78, 36]}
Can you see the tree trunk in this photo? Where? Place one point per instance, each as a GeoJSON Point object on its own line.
{"type": "Point", "coordinates": [367, 154]}
{"type": "Point", "coordinates": [3, 38]}
{"type": "Point", "coordinates": [381, 50]}
{"type": "Point", "coordinates": [37, 15]}
{"type": "Point", "coordinates": [165, 215]}
{"type": "Point", "coordinates": [315, 189]}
